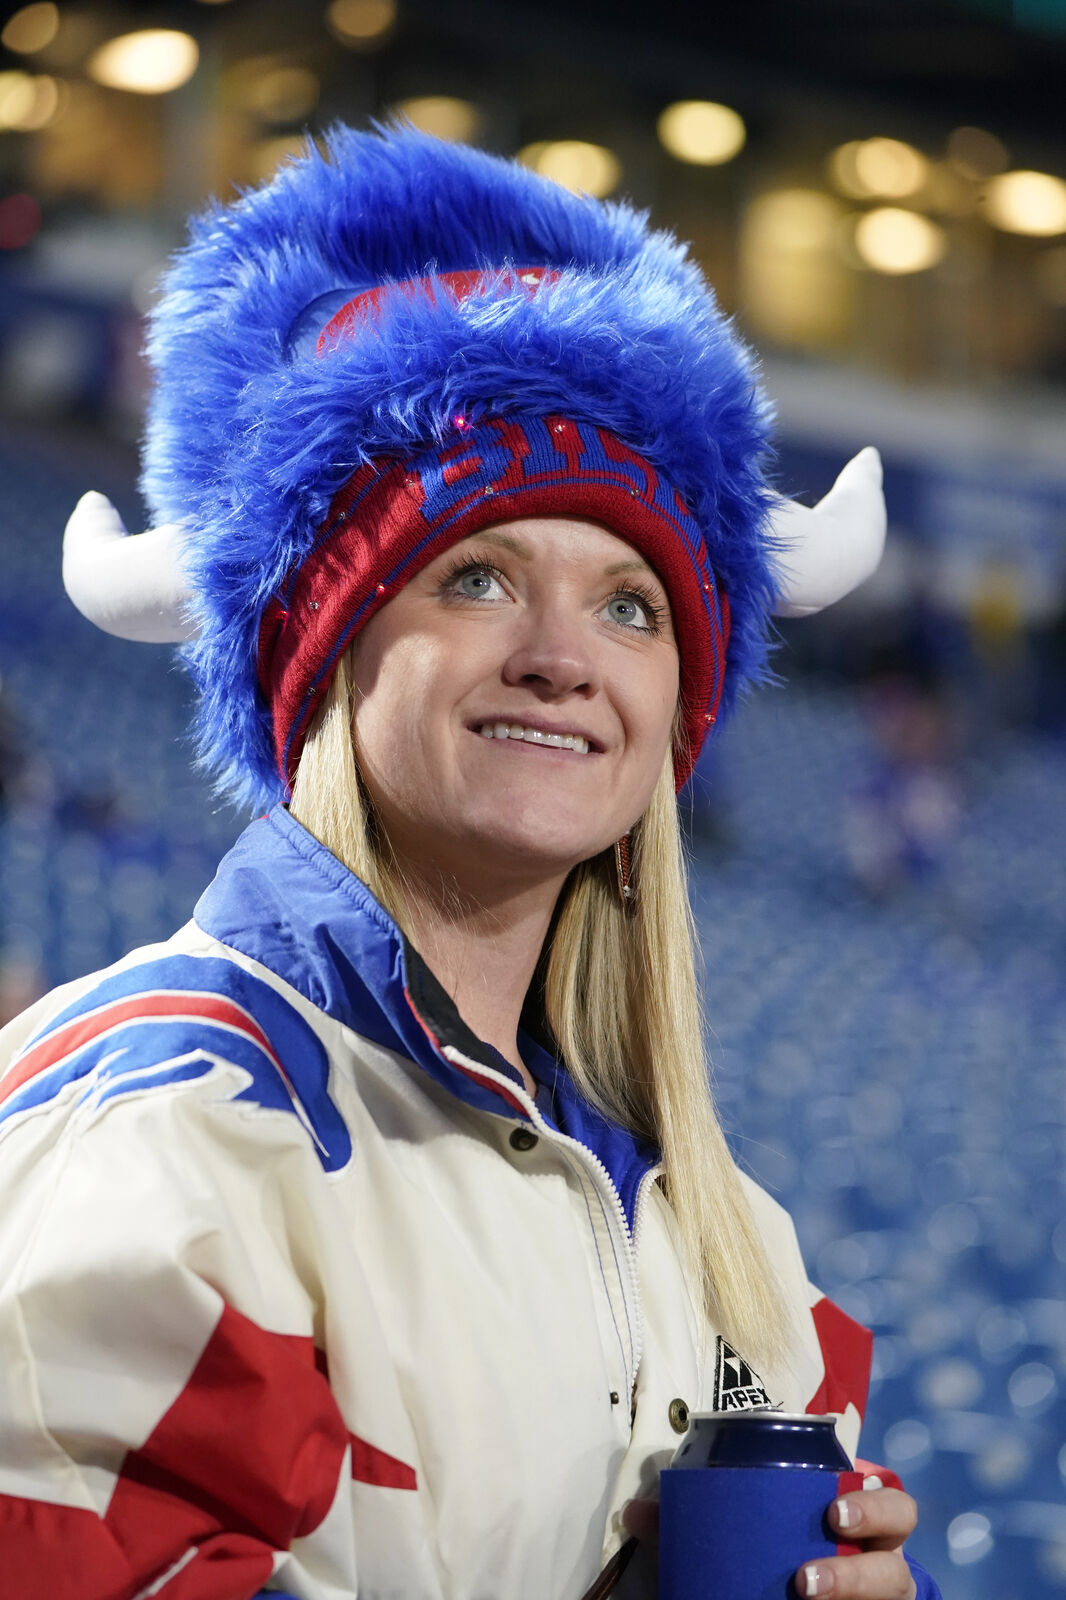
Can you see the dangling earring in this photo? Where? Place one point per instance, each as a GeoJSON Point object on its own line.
{"type": "Point", "coordinates": [623, 862]}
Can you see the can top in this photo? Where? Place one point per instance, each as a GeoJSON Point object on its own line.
{"type": "Point", "coordinates": [762, 1438]}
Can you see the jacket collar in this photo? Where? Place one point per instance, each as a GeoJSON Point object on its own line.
{"type": "Point", "coordinates": [282, 899]}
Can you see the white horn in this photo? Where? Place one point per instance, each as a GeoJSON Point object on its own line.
{"type": "Point", "coordinates": [132, 587]}
{"type": "Point", "coordinates": [828, 551]}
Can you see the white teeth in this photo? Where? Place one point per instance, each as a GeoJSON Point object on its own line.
{"type": "Point", "coordinates": [516, 730]}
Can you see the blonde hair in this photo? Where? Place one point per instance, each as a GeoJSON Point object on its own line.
{"type": "Point", "coordinates": [623, 1004]}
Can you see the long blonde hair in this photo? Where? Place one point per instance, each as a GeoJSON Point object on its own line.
{"type": "Point", "coordinates": [623, 1004]}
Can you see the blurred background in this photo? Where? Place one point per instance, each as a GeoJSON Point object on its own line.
{"type": "Point", "coordinates": [876, 188]}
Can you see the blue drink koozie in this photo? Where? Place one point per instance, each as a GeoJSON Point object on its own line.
{"type": "Point", "coordinates": [743, 1504]}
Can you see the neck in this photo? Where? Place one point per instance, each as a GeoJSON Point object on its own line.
{"type": "Point", "coordinates": [483, 953]}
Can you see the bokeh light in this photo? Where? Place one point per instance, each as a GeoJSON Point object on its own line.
{"type": "Point", "coordinates": [976, 153]}
{"type": "Point", "coordinates": [969, 1538]}
{"type": "Point", "coordinates": [1027, 202]}
{"type": "Point", "coordinates": [444, 116]}
{"type": "Point", "coordinates": [282, 93]}
{"type": "Point", "coordinates": [797, 220]}
{"type": "Point", "coordinates": [795, 286]}
{"type": "Point", "coordinates": [31, 29]}
{"type": "Point", "coordinates": [574, 164]}
{"type": "Point", "coordinates": [878, 168]}
{"type": "Point", "coordinates": [701, 132]}
{"type": "Point", "coordinates": [362, 24]}
{"type": "Point", "coordinates": [895, 241]}
{"type": "Point", "coordinates": [27, 102]}
{"type": "Point", "coordinates": [151, 61]}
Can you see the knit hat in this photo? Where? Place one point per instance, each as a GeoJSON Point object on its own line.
{"type": "Point", "coordinates": [398, 342]}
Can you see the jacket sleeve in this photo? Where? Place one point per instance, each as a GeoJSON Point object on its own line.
{"type": "Point", "coordinates": [166, 1427]}
{"type": "Point", "coordinates": [926, 1586]}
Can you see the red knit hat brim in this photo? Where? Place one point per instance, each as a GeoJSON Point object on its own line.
{"type": "Point", "coordinates": [394, 517]}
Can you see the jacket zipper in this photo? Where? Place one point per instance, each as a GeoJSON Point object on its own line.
{"type": "Point", "coordinates": [590, 1168]}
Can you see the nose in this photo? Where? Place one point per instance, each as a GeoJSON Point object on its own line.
{"type": "Point", "coordinates": [553, 655]}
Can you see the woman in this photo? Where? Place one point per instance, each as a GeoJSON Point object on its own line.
{"type": "Point", "coordinates": [375, 1235]}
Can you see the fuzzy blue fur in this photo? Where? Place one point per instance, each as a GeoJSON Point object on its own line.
{"type": "Point", "coordinates": [247, 447]}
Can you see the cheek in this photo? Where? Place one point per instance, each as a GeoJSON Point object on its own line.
{"type": "Point", "coordinates": [387, 698]}
{"type": "Point", "coordinates": [403, 707]}
{"type": "Point", "coordinates": [651, 713]}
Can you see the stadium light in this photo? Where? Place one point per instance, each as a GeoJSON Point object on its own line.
{"type": "Point", "coordinates": [881, 168]}
{"type": "Point", "coordinates": [31, 29]}
{"type": "Point", "coordinates": [701, 132]}
{"type": "Point", "coordinates": [1027, 202]}
{"type": "Point", "coordinates": [443, 115]}
{"type": "Point", "coordinates": [151, 61]}
{"type": "Point", "coordinates": [895, 241]}
{"type": "Point", "coordinates": [27, 101]}
{"type": "Point", "coordinates": [575, 165]}
{"type": "Point", "coordinates": [362, 24]}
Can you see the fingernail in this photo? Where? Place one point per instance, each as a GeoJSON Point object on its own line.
{"type": "Point", "coordinates": [848, 1516]}
{"type": "Point", "coordinates": [813, 1580]}
{"type": "Point", "coordinates": [872, 1482]}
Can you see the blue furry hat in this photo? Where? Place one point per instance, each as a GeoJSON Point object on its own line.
{"type": "Point", "coordinates": [251, 435]}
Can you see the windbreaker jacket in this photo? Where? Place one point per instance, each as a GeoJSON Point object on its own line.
{"type": "Point", "coordinates": [300, 1290]}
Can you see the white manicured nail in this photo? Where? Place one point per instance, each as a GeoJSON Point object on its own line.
{"type": "Point", "coordinates": [872, 1482]}
{"type": "Point", "coordinates": [810, 1580]}
{"type": "Point", "coordinates": [844, 1514]}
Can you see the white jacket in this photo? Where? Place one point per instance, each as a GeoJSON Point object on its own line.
{"type": "Point", "coordinates": [300, 1290]}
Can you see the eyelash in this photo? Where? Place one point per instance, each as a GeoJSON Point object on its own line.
{"type": "Point", "coordinates": [651, 607]}
{"type": "Point", "coordinates": [464, 564]}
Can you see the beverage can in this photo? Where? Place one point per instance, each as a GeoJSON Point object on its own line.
{"type": "Point", "coordinates": [743, 1504]}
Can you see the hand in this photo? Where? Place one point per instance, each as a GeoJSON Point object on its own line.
{"type": "Point", "coordinates": [879, 1520]}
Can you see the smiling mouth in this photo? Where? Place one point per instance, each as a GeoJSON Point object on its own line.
{"type": "Point", "coordinates": [518, 730]}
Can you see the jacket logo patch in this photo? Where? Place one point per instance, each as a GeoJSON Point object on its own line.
{"type": "Point", "coordinates": [737, 1387]}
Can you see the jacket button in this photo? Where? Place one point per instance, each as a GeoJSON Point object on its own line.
{"type": "Point", "coordinates": [678, 1414]}
{"type": "Point", "coordinates": [522, 1139]}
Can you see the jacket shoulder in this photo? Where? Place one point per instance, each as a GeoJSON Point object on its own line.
{"type": "Point", "coordinates": [184, 1014]}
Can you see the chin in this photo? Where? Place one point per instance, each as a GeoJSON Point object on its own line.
{"type": "Point", "coordinates": [540, 828]}
{"type": "Point", "coordinates": [527, 854]}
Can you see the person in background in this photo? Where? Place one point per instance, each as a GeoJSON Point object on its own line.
{"type": "Point", "coordinates": [375, 1235]}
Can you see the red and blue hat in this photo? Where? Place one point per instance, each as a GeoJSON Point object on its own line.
{"type": "Point", "coordinates": [399, 342]}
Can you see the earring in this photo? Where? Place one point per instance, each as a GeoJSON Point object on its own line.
{"type": "Point", "coordinates": [623, 863]}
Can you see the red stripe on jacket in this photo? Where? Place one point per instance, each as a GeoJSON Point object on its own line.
{"type": "Point", "coordinates": [75, 1035]}
{"type": "Point", "coordinates": [247, 1459]}
{"type": "Point", "coordinates": [847, 1349]}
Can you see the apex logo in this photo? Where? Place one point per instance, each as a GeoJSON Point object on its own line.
{"type": "Point", "coordinates": [737, 1387]}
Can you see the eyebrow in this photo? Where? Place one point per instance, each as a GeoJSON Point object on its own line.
{"type": "Point", "coordinates": [506, 542]}
{"type": "Point", "coordinates": [630, 566]}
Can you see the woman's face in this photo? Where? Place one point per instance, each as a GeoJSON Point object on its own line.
{"type": "Point", "coordinates": [534, 631]}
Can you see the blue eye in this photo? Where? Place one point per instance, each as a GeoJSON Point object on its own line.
{"type": "Point", "coordinates": [470, 579]}
{"type": "Point", "coordinates": [626, 610]}
{"type": "Point", "coordinates": [477, 583]}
